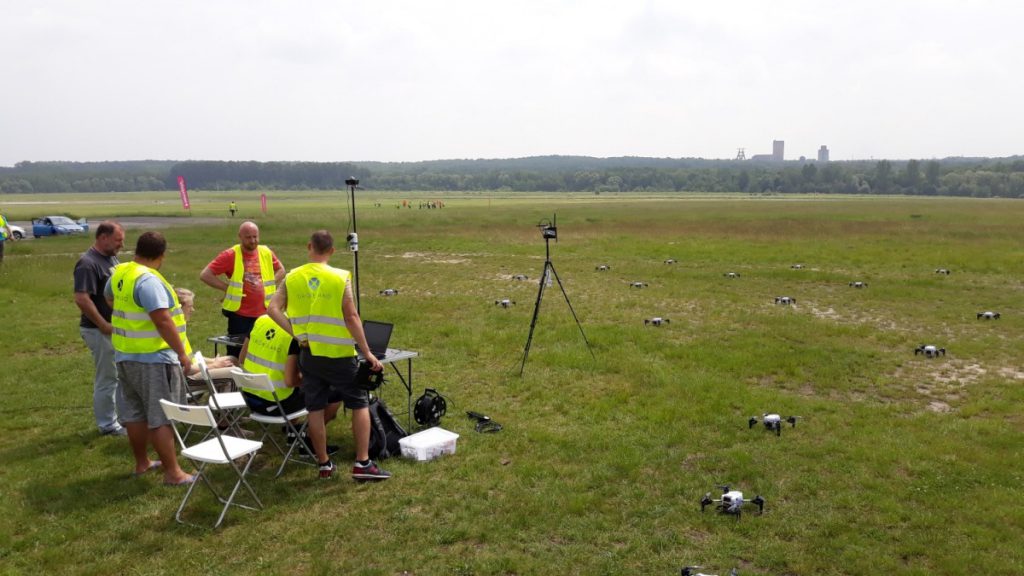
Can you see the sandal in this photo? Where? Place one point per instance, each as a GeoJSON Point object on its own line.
{"type": "Point", "coordinates": [152, 466]}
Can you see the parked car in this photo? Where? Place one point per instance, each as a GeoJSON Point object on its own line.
{"type": "Point", "coordinates": [17, 232]}
{"type": "Point", "coordinates": [55, 226]}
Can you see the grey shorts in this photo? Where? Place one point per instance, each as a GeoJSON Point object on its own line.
{"type": "Point", "coordinates": [329, 380]}
{"type": "Point", "coordinates": [142, 387]}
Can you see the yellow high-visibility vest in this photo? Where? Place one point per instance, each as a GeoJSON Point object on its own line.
{"type": "Point", "coordinates": [315, 293]}
{"type": "Point", "coordinates": [233, 295]}
{"type": "Point", "coordinates": [267, 354]}
{"type": "Point", "coordinates": [134, 331]}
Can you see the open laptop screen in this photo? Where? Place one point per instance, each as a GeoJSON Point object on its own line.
{"type": "Point", "coordinates": [378, 335]}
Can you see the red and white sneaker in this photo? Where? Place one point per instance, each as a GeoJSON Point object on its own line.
{"type": "Point", "coordinates": [370, 472]}
{"type": "Point", "coordinates": [327, 470]}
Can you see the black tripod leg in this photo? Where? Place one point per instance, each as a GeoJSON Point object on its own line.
{"type": "Point", "coordinates": [536, 312]}
{"type": "Point", "coordinates": [578, 325]}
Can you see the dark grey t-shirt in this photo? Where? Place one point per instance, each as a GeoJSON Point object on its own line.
{"type": "Point", "coordinates": [91, 274]}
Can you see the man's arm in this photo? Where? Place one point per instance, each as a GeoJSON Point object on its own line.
{"type": "Point", "coordinates": [292, 374]}
{"type": "Point", "coordinates": [355, 327]}
{"type": "Point", "coordinates": [165, 326]}
{"type": "Point", "coordinates": [276, 310]}
{"type": "Point", "coordinates": [244, 352]}
{"type": "Point", "coordinates": [88, 307]}
{"type": "Point", "coordinates": [212, 280]}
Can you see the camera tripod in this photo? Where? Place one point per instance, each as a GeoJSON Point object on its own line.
{"type": "Point", "coordinates": [549, 231]}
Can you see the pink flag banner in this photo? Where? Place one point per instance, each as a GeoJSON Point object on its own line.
{"type": "Point", "coordinates": [263, 203]}
{"type": "Point", "coordinates": [184, 193]}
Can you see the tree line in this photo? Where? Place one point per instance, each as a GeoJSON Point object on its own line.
{"type": "Point", "coordinates": [976, 177]}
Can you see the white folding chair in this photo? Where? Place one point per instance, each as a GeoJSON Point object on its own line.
{"type": "Point", "coordinates": [262, 382]}
{"type": "Point", "coordinates": [220, 449]}
{"type": "Point", "coordinates": [230, 404]}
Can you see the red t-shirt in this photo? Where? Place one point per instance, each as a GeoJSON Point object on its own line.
{"type": "Point", "coordinates": [252, 282]}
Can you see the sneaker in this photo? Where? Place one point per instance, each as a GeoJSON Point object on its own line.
{"type": "Point", "coordinates": [119, 431]}
{"type": "Point", "coordinates": [327, 470]}
{"type": "Point", "coordinates": [369, 472]}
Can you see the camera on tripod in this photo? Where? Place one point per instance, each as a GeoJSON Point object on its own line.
{"type": "Point", "coordinates": [549, 228]}
{"type": "Point", "coordinates": [351, 181]}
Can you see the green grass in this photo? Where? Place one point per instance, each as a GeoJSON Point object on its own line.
{"type": "Point", "coordinates": [899, 465]}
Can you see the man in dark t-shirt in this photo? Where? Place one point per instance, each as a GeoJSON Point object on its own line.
{"type": "Point", "coordinates": [91, 274]}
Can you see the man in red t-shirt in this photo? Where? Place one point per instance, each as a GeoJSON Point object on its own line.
{"type": "Point", "coordinates": [249, 282]}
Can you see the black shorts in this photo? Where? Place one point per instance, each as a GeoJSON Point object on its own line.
{"type": "Point", "coordinates": [293, 403]}
{"type": "Point", "coordinates": [327, 378]}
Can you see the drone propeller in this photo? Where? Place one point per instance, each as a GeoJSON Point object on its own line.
{"type": "Point", "coordinates": [705, 501]}
{"type": "Point", "coordinates": [792, 420]}
{"type": "Point", "coordinates": [760, 503]}
{"type": "Point", "coordinates": [687, 570]}
{"type": "Point", "coordinates": [751, 422]}
{"type": "Point", "coordinates": [723, 487]}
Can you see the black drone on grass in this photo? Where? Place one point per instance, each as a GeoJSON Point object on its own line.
{"type": "Point", "coordinates": [859, 284]}
{"type": "Point", "coordinates": [772, 422]}
{"type": "Point", "coordinates": [929, 351]}
{"type": "Point", "coordinates": [388, 292]}
{"type": "Point", "coordinates": [785, 300]}
{"type": "Point", "coordinates": [638, 284]}
{"type": "Point", "coordinates": [505, 303]}
{"type": "Point", "coordinates": [656, 321]}
{"type": "Point", "coordinates": [988, 315]}
{"type": "Point", "coordinates": [731, 502]}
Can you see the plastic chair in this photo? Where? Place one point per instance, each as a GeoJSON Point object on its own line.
{"type": "Point", "coordinates": [230, 404]}
{"type": "Point", "coordinates": [262, 383]}
{"type": "Point", "coordinates": [220, 449]}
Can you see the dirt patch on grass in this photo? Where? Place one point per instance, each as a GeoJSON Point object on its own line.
{"type": "Point", "coordinates": [942, 383]}
{"type": "Point", "coordinates": [433, 258]}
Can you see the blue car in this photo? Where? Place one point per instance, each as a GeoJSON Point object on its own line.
{"type": "Point", "coordinates": [56, 226]}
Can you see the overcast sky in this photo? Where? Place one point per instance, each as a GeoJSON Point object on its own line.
{"type": "Point", "coordinates": [333, 80]}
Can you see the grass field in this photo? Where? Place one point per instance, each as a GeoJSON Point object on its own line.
{"type": "Point", "coordinates": [898, 465]}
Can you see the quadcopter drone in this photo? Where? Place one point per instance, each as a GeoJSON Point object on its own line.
{"type": "Point", "coordinates": [520, 277]}
{"type": "Point", "coordinates": [505, 303]}
{"type": "Point", "coordinates": [929, 351]}
{"type": "Point", "coordinates": [689, 571]}
{"type": "Point", "coordinates": [603, 268]}
{"type": "Point", "coordinates": [670, 261]}
{"type": "Point", "coordinates": [638, 284]}
{"type": "Point", "coordinates": [942, 271]}
{"type": "Point", "coordinates": [388, 292]}
{"type": "Point", "coordinates": [859, 284]}
{"type": "Point", "coordinates": [656, 321]}
{"type": "Point", "coordinates": [731, 502]}
{"type": "Point", "coordinates": [797, 266]}
{"type": "Point", "coordinates": [731, 274]}
{"type": "Point", "coordinates": [785, 300]}
{"type": "Point", "coordinates": [772, 422]}
{"type": "Point", "coordinates": [988, 315]}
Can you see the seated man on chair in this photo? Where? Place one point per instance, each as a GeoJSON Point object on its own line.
{"type": "Point", "coordinates": [272, 351]}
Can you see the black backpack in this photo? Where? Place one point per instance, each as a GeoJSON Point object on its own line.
{"type": "Point", "coordinates": [385, 431]}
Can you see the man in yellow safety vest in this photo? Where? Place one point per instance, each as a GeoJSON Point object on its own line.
{"type": "Point", "coordinates": [253, 273]}
{"type": "Point", "coordinates": [315, 306]}
{"type": "Point", "coordinates": [150, 350]}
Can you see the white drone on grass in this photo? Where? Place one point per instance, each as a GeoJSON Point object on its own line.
{"type": "Point", "coordinates": [772, 422]}
{"type": "Point", "coordinates": [638, 284]}
{"type": "Point", "coordinates": [689, 571]}
{"type": "Point", "coordinates": [942, 271]}
{"type": "Point", "coordinates": [731, 502]}
{"type": "Point", "coordinates": [797, 266]}
{"type": "Point", "coordinates": [731, 274]}
{"type": "Point", "coordinates": [859, 284]}
{"type": "Point", "coordinates": [520, 277]}
{"type": "Point", "coordinates": [656, 321]}
{"type": "Point", "coordinates": [505, 303]}
{"type": "Point", "coordinates": [785, 300]}
{"type": "Point", "coordinates": [988, 315]}
{"type": "Point", "coordinates": [388, 292]}
{"type": "Point", "coordinates": [670, 261]}
{"type": "Point", "coordinates": [603, 268]}
{"type": "Point", "coordinates": [929, 351]}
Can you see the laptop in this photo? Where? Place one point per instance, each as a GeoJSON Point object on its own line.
{"type": "Point", "coordinates": [378, 335]}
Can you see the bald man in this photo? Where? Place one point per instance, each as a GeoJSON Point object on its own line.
{"type": "Point", "coordinates": [251, 274]}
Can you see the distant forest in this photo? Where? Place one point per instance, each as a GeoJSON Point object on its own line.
{"type": "Point", "coordinates": [976, 177]}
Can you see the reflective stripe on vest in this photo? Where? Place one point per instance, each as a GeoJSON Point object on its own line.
{"type": "Point", "coordinates": [267, 353]}
{"type": "Point", "coordinates": [134, 331]}
{"type": "Point", "coordinates": [233, 296]}
{"type": "Point", "coordinates": [315, 294]}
